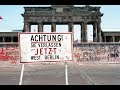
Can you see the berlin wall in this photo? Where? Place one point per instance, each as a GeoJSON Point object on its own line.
{"type": "Point", "coordinates": [9, 55]}
{"type": "Point", "coordinates": [96, 52]}
{"type": "Point", "coordinates": [82, 53]}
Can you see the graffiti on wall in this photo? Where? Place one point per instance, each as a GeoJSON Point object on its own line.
{"type": "Point", "coordinates": [9, 53]}
{"type": "Point", "coordinates": [97, 53]}
{"type": "Point", "coordinates": [114, 53]}
{"type": "Point", "coordinates": [83, 53]}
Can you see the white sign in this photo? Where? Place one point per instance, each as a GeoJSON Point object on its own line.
{"type": "Point", "coordinates": [45, 46]}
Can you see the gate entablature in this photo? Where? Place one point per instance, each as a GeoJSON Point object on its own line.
{"type": "Point", "coordinates": [65, 14]}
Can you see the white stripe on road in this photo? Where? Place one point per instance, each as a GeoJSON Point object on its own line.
{"type": "Point", "coordinates": [87, 78]}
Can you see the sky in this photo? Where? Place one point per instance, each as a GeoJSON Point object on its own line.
{"type": "Point", "coordinates": [13, 20]}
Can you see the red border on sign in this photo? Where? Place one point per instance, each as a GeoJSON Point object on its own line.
{"type": "Point", "coordinates": [45, 33]}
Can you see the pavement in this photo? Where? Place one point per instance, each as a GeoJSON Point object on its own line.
{"type": "Point", "coordinates": [54, 74]}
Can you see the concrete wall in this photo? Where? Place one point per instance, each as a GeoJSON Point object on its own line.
{"type": "Point", "coordinates": [83, 53]}
{"type": "Point", "coordinates": [9, 54]}
{"type": "Point", "coordinates": [97, 53]}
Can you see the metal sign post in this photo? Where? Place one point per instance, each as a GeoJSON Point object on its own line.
{"type": "Point", "coordinates": [21, 75]}
{"type": "Point", "coordinates": [66, 73]}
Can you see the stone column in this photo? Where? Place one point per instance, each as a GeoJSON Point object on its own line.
{"type": "Point", "coordinates": [84, 32]}
{"type": "Point", "coordinates": [99, 32]}
{"type": "Point", "coordinates": [11, 38]}
{"type": "Point", "coordinates": [71, 28]}
{"type": "Point", "coordinates": [40, 27]}
{"type": "Point", "coordinates": [102, 40]}
{"type": "Point", "coordinates": [53, 27]}
{"type": "Point", "coordinates": [113, 38]}
{"type": "Point", "coordinates": [94, 32]}
{"type": "Point", "coordinates": [105, 38]}
{"type": "Point", "coordinates": [81, 32]}
{"type": "Point", "coordinates": [26, 27]}
{"type": "Point", "coordinates": [29, 27]}
{"type": "Point", "coordinates": [3, 39]}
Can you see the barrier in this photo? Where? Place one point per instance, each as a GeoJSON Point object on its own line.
{"type": "Point", "coordinates": [97, 52]}
{"type": "Point", "coordinates": [82, 53]}
{"type": "Point", "coordinates": [9, 54]}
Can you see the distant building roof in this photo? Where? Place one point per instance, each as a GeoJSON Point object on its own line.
{"type": "Point", "coordinates": [17, 30]}
{"type": "Point", "coordinates": [111, 30]}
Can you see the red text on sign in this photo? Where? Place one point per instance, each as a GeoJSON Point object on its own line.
{"type": "Point", "coordinates": [41, 51]}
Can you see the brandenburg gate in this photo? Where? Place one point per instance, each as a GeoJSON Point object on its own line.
{"type": "Point", "coordinates": [65, 14]}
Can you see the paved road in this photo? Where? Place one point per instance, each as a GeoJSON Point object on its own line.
{"type": "Point", "coordinates": [55, 75]}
